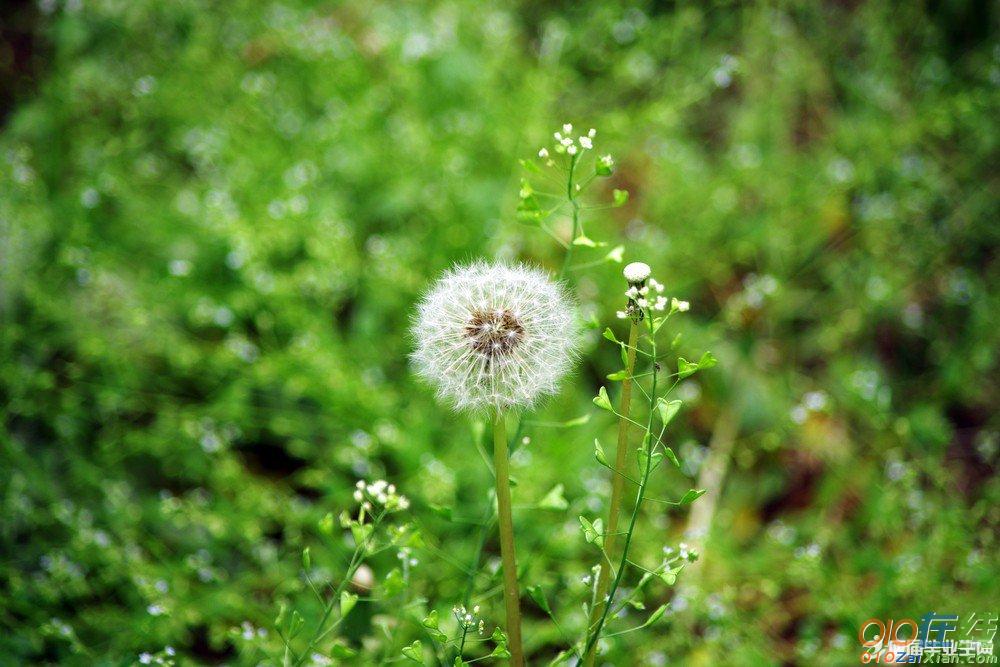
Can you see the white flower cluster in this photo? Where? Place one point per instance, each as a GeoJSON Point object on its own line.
{"type": "Point", "coordinates": [565, 143]}
{"type": "Point", "coordinates": [683, 551]}
{"type": "Point", "coordinates": [645, 292]}
{"type": "Point", "coordinates": [468, 620]}
{"type": "Point", "coordinates": [379, 494]}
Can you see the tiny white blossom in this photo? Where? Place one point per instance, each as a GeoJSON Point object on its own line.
{"type": "Point", "coordinates": [567, 128]}
{"type": "Point", "coordinates": [543, 153]}
{"type": "Point", "coordinates": [680, 306]}
{"type": "Point", "coordinates": [642, 303]}
{"type": "Point", "coordinates": [661, 303]}
{"type": "Point", "coordinates": [494, 336]}
{"type": "Point", "coordinates": [571, 150]}
{"type": "Point", "coordinates": [592, 133]}
{"type": "Point", "coordinates": [586, 142]}
{"type": "Point", "coordinates": [621, 314]}
{"type": "Point", "coordinates": [636, 272]}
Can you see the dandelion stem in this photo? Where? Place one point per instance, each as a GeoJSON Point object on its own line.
{"type": "Point", "coordinates": [501, 463]}
{"type": "Point", "coordinates": [617, 485]}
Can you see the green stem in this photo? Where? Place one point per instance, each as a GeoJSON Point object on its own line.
{"type": "Point", "coordinates": [617, 487]}
{"type": "Point", "coordinates": [356, 559]}
{"type": "Point", "coordinates": [501, 463]}
{"type": "Point", "coordinates": [576, 218]}
{"type": "Point", "coordinates": [595, 634]}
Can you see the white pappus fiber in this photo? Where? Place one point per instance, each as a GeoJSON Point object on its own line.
{"type": "Point", "coordinates": [494, 336]}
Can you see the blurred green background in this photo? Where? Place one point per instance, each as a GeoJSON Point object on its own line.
{"type": "Point", "coordinates": [215, 219]}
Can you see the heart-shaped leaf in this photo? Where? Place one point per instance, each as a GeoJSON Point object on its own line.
{"type": "Point", "coordinates": [347, 602]}
{"type": "Point", "coordinates": [415, 652]}
{"type": "Point", "coordinates": [554, 499]}
{"type": "Point", "coordinates": [602, 401]}
{"type": "Point", "coordinates": [668, 409]}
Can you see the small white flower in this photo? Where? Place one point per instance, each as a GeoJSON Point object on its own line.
{"type": "Point", "coordinates": [543, 153]}
{"type": "Point", "coordinates": [567, 141]}
{"type": "Point", "coordinates": [621, 314]}
{"type": "Point", "coordinates": [607, 161]}
{"type": "Point", "coordinates": [636, 272]}
{"type": "Point", "coordinates": [632, 292]}
{"type": "Point", "coordinates": [661, 303]}
{"type": "Point", "coordinates": [571, 150]}
{"type": "Point", "coordinates": [592, 133]}
{"type": "Point", "coordinates": [586, 142]}
{"type": "Point", "coordinates": [642, 303]}
{"type": "Point", "coordinates": [494, 336]}
{"type": "Point", "coordinates": [567, 128]}
{"type": "Point", "coordinates": [680, 306]}
{"type": "Point", "coordinates": [558, 136]}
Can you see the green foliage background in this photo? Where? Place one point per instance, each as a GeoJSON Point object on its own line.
{"type": "Point", "coordinates": [215, 219]}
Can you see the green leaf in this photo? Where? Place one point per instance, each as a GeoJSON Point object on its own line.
{"type": "Point", "coordinates": [347, 602]}
{"type": "Point", "coordinates": [672, 457]}
{"type": "Point", "coordinates": [599, 454]}
{"type": "Point", "coordinates": [602, 401]}
{"type": "Point", "coordinates": [431, 621]}
{"type": "Point", "coordinates": [446, 513]}
{"type": "Point", "coordinates": [667, 409]}
{"type": "Point", "coordinates": [415, 652]}
{"type": "Point", "coordinates": [619, 197]}
{"type": "Point", "coordinates": [686, 368]}
{"type": "Point", "coordinates": [342, 651]}
{"type": "Point", "coordinates": [618, 376]}
{"type": "Point", "coordinates": [538, 595]}
{"type": "Point", "coordinates": [707, 360]}
{"type": "Point", "coordinates": [610, 335]}
{"type": "Point", "coordinates": [592, 532]}
{"type": "Point", "coordinates": [579, 421]}
{"type": "Point", "coordinates": [554, 499]}
{"type": "Point", "coordinates": [306, 560]}
{"type": "Point", "coordinates": [616, 255]}
{"type": "Point", "coordinates": [656, 615]}
{"type": "Point", "coordinates": [669, 578]}
{"type": "Point", "coordinates": [691, 496]}
{"type": "Point", "coordinates": [500, 652]}
{"type": "Point", "coordinates": [458, 662]}
{"type": "Point", "coordinates": [498, 636]}
{"type": "Point", "coordinates": [530, 166]}
{"type": "Point", "coordinates": [326, 524]}
{"type": "Point", "coordinates": [559, 659]}
{"type": "Point", "coordinates": [393, 584]}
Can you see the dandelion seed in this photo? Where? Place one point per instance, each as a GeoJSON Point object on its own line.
{"type": "Point", "coordinates": [491, 337]}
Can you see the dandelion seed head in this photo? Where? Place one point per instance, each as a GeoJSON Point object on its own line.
{"type": "Point", "coordinates": [491, 337]}
{"type": "Point", "coordinates": [636, 272]}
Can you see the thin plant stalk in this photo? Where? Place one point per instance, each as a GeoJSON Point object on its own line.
{"type": "Point", "coordinates": [571, 197]}
{"type": "Point", "coordinates": [501, 464]}
{"type": "Point", "coordinates": [595, 632]}
{"type": "Point", "coordinates": [357, 558]}
{"type": "Point", "coordinates": [617, 488]}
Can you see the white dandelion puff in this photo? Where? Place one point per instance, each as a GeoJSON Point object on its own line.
{"type": "Point", "coordinates": [490, 337]}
